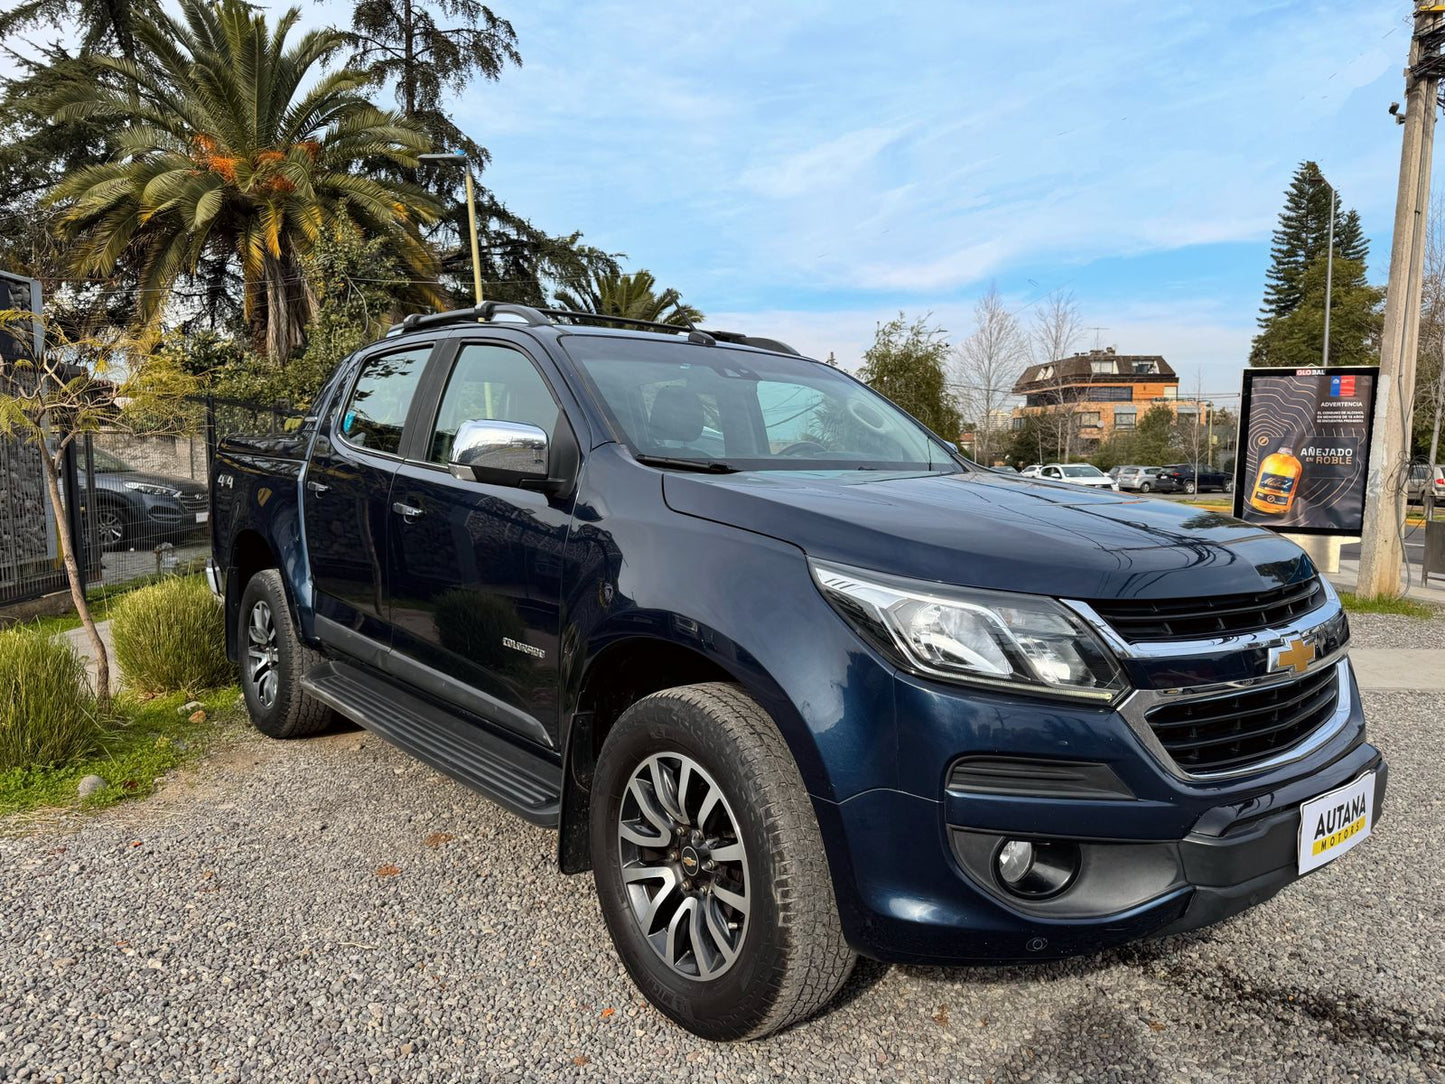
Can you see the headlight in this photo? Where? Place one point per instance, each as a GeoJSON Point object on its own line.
{"type": "Point", "coordinates": [151, 487]}
{"type": "Point", "coordinates": [979, 637]}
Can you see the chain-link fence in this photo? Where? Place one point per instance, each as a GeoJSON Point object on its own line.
{"type": "Point", "coordinates": [143, 498]}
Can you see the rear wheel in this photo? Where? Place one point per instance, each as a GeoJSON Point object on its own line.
{"type": "Point", "coordinates": [1228, 486]}
{"type": "Point", "coordinates": [273, 660]}
{"type": "Point", "coordinates": [710, 868]}
{"type": "Point", "coordinates": [1189, 487]}
{"type": "Point", "coordinates": [1145, 487]}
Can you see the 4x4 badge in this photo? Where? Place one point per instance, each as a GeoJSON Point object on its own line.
{"type": "Point", "coordinates": [1295, 655]}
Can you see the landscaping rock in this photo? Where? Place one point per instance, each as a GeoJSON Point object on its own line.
{"type": "Point", "coordinates": [190, 707]}
{"type": "Point", "coordinates": [90, 785]}
{"type": "Point", "coordinates": [197, 717]}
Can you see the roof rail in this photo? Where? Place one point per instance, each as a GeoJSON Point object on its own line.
{"type": "Point", "coordinates": [775, 345]}
{"type": "Point", "coordinates": [482, 313]}
{"type": "Point", "coordinates": [648, 325]}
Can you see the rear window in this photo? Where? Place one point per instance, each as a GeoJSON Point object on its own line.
{"type": "Point", "coordinates": [375, 412]}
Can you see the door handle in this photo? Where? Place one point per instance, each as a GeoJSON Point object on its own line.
{"type": "Point", "coordinates": [317, 487]}
{"type": "Point", "coordinates": [406, 511]}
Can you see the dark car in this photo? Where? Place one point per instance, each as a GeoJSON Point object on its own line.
{"type": "Point", "coordinates": [137, 508]}
{"type": "Point", "coordinates": [792, 678]}
{"type": "Point", "coordinates": [1183, 478]}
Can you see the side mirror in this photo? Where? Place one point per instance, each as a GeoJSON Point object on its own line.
{"type": "Point", "coordinates": [503, 453]}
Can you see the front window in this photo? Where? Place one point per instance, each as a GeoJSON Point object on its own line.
{"type": "Point", "coordinates": [105, 463]}
{"type": "Point", "coordinates": [731, 409]}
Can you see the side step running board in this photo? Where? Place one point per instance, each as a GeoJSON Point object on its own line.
{"type": "Point", "coordinates": [528, 785]}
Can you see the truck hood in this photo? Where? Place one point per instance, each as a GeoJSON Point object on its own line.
{"type": "Point", "coordinates": [987, 530]}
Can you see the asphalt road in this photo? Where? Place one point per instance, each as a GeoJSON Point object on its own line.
{"type": "Point", "coordinates": [331, 910]}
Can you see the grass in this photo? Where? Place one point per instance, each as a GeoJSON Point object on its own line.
{"type": "Point", "coordinates": [171, 636]}
{"type": "Point", "coordinates": [1403, 607]}
{"type": "Point", "coordinates": [148, 740]}
{"type": "Point", "coordinates": [48, 713]}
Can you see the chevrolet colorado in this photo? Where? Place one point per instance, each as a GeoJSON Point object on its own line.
{"type": "Point", "coordinates": [792, 678]}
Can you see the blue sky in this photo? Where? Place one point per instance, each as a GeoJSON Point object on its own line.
{"type": "Point", "coordinates": [807, 169]}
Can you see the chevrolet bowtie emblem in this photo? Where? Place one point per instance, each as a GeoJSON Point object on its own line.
{"type": "Point", "coordinates": [1295, 655]}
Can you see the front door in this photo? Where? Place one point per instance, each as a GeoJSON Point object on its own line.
{"type": "Point", "coordinates": [476, 569]}
{"type": "Point", "coordinates": [345, 499]}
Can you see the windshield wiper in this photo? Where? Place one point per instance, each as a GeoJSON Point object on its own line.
{"type": "Point", "coordinates": [706, 466]}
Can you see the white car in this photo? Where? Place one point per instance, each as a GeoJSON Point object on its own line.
{"type": "Point", "coordinates": [1032, 470]}
{"type": "Point", "coordinates": [1079, 474]}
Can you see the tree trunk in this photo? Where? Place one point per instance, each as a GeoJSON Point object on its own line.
{"type": "Point", "coordinates": [408, 84]}
{"type": "Point", "coordinates": [72, 574]}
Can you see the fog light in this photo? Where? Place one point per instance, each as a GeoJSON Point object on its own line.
{"type": "Point", "coordinates": [1036, 870]}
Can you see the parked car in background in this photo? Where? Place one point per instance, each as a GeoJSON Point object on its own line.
{"type": "Point", "coordinates": [1182, 475]}
{"type": "Point", "coordinates": [1079, 474]}
{"type": "Point", "coordinates": [1114, 472]}
{"type": "Point", "coordinates": [1425, 478]}
{"type": "Point", "coordinates": [1032, 470]}
{"type": "Point", "coordinates": [133, 508]}
{"type": "Point", "coordinates": [1006, 469]}
{"type": "Point", "coordinates": [1146, 480]}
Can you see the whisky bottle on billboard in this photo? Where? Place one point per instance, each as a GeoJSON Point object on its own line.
{"type": "Point", "coordinates": [1277, 482]}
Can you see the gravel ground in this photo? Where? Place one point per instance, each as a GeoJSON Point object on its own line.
{"type": "Point", "coordinates": [1391, 631]}
{"type": "Point", "coordinates": [331, 910]}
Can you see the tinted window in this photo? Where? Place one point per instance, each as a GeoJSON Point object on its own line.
{"type": "Point", "coordinates": [754, 411]}
{"type": "Point", "coordinates": [491, 383]}
{"type": "Point", "coordinates": [376, 411]}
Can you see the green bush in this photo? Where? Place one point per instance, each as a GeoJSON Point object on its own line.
{"type": "Point", "coordinates": [170, 637]}
{"type": "Point", "coordinates": [48, 713]}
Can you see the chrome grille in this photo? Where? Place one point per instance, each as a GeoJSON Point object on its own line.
{"type": "Point", "coordinates": [1233, 731]}
{"type": "Point", "coordinates": [1163, 620]}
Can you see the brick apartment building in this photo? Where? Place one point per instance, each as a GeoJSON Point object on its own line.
{"type": "Point", "coordinates": [1105, 391]}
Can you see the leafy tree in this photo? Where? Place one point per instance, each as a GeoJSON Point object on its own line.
{"type": "Point", "coordinates": [104, 26]}
{"type": "Point", "coordinates": [1032, 441]}
{"type": "Point", "coordinates": [1297, 339]}
{"type": "Point", "coordinates": [634, 296]}
{"type": "Point", "coordinates": [227, 152]}
{"type": "Point", "coordinates": [907, 363]}
{"type": "Point", "coordinates": [425, 51]}
{"type": "Point", "coordinates": [354, 305]}
{"type": "Point", "coordinates": [53, 400]}
{"type": "Point", "coordinates": [1153, 442]}
{"type": "Point", "coordinates": [1302, 237]}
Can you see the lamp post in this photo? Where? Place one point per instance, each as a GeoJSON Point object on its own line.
{"type": "Point", "coordinates": [458, 156]}
{"type": "Point", "coordinates": [1318, 179]}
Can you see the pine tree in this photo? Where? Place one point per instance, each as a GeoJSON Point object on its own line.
{"type": "Point", "coordinates": [1302, 236]}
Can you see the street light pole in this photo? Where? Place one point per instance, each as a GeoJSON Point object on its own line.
{"type": "Point", "coordinates": [458, 156]}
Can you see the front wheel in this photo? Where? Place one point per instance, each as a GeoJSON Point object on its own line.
{"type": "Point", "coordinates": [710, 868]}
{"type": "Point", "coordinates": [1190, 487]}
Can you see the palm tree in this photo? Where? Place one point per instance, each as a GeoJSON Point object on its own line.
{"type": "Point", "coordinates": [224, 153]}
{"type": "Point", "coordinates": [634, 296]}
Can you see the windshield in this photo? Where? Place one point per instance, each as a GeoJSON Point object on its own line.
{"type": "Point", "coordinates": [1083, 472]}
{"type": "Point", "coordinates": [107, 463]}
{"type": "Point", "coordinates": [745, 411]}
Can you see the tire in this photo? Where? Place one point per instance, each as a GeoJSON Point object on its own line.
{"type": "Point", "coordinates": [1145, 487]}
{"type": "Point", "coordinates": [113, 528]}
{"type": "Point", "coordinates": [788, 956]}
{"type": "Point", "coordinates": [1190, 487]}
{"type": "Point", "coordinates": [273, 659]}
{"type": "Point", "coordinates": [1228, 486]}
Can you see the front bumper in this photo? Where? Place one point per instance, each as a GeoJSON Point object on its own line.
{"type": "Point", "coordinates": [913, 873]}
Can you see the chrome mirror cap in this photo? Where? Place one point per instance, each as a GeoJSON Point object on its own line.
{"type": "Point", "coordinates": [504, 453]}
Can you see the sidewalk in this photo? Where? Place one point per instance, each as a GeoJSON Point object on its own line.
{"type": "Point", "coordinates": [1433, 592]}
{"type": "Point", "coordinates": [81, 642]}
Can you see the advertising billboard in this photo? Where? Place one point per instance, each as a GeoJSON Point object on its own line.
{"type": "Point", "coordinates": [1304, 449]}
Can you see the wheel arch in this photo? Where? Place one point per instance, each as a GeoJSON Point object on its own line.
{"type": "Point", "coordinates": [618, 676]}
{"type": "Point", "coordinates": [250, 553]}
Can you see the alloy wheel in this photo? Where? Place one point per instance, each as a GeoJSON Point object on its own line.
{"type": "Point", "coordinates": [684, 866]}
{"type": "Point", "coordinates": [263, 653]}
{"type": "Point", "coordinates": [109, 526]}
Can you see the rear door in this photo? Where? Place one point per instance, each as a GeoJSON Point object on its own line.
{"type": "Point", "coordinates": [345, 496]}
{"type": "Point", "coordinates": [476, 568]}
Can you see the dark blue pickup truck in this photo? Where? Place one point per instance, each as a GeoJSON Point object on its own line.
{"type": "Point", "coordinates": [791, 677]}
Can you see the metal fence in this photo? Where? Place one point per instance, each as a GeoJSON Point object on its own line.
{"type": "Point", "coordinates": [138, 501]}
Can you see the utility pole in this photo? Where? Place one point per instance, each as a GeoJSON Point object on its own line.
{"type": "Point", "coordinates": [1381, 548]}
